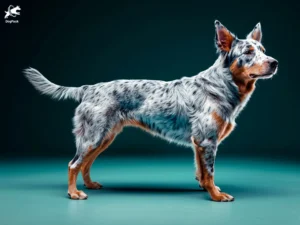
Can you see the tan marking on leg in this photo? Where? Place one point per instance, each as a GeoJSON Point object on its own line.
{"type": "Point", "coordinates": [197, 164]}
{"type": "Point", "coordinates": [198, 168]}
{"type": "Point", "coordinates": [197, 160]}
{"type": "Point", "coordinates": [92, 155]}
{"type": "Point", "coordinates": [221, 124]}
{"type": "Point", "coordinates": [85, 165]}
{"type": "Point", "coordinates": [224, 128]}
{"type": "Point", "coordinates": [72, 189]}
{"type": "Point", "coordinates": [226, 131]}
{"type": "Point", "coordinates": [207, 180]}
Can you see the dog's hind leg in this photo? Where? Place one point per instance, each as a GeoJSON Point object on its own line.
{"type": "Point", "coordinates": [85, 168]}
{"type": "Point", "coordinates": [74, 168]}
{"type": "Point", "coordinates": [94, 131]}
{"type": "Point", "coordinates": [83, 153]}
{"type": "Point", "coordinates": [86, 154]}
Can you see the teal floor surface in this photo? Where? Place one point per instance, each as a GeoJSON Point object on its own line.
{"type": "Point", "coordinates": [150, 191]}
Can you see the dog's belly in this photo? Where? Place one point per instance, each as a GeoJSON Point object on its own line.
{"type": "Point", "coordinates": [173, 128]}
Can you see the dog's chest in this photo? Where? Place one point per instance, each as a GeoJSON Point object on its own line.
{"type": "Point", "coordinates": [238, 109]}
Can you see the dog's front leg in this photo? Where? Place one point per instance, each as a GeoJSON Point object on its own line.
{"type": "Point", "coordinates": [206, 151]}
{"type": "Point", "coordinates": [198, 168]}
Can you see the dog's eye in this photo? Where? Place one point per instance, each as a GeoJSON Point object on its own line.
{"type": "Point", "coordinates": [248, 52]}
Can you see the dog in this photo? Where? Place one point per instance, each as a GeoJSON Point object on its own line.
{"type": "Point", "coordinates": [197, 111]}
{"type": "Point", "coordinates": [12, 11]}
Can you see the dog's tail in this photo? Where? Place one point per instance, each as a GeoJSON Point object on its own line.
{"type": "Point", "coordinates": [45, 86]}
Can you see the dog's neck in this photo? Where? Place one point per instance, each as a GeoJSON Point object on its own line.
{"type": "Point", "coordinates": [221, 72]}
{"type": "Point", "coordinates": [246, 88]}
{"type": "Point", "coordinates": [235, 92]}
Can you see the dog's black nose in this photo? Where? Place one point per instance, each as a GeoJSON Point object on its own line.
{"type": "Point", "coordinates": [274, 64]}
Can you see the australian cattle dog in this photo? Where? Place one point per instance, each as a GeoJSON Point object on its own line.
{"type": "Point", "coordinates": [197, 111]}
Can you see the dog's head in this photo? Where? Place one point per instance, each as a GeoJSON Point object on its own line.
{"type": "Point", "coordinates": [246, 58]}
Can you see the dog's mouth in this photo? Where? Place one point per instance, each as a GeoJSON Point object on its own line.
{"type": "Point", "coordinates": [267, 75]}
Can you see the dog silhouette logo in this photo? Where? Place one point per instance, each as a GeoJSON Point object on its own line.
{"type": "Point", "coordinates": [12, 11]}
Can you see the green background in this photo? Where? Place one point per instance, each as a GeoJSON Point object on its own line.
{"type": "Point", "coordinates": [81, 42]}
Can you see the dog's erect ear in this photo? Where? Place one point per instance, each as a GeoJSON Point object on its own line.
{"type": "Point", "coordinates": [256, 33]}
{"type": "Point", "coordinates": [224, 38]}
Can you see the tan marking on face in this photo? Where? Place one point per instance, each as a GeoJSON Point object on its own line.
{"type": "Point", "coordinates": [224, 128]}
{"type": "Point", "coordinates": [251, 48]}
{"type": "Point", "coordinates": [242, 79]}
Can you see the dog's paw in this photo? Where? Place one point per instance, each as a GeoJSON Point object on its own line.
{"type": "Point", "coordinates": [93, 185]}
{"type": "Point", "coordinates": [78, 195]}
{"type": "Point", "coordinates": [222, 197]}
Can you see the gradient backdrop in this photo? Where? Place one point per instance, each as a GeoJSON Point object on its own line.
{"type": "Point", "coordinates": [81, 42]}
